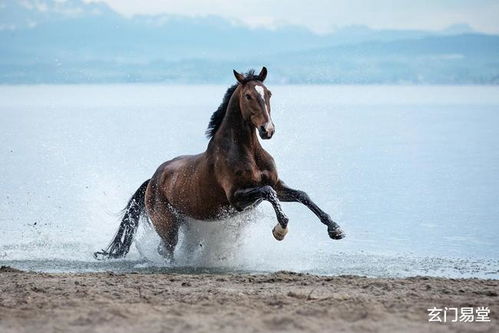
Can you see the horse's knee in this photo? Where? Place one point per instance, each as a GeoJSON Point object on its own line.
{"type": "Point", "coordinates": [268, 192]}
{"type": "Point", "coordinates": [244, 198]}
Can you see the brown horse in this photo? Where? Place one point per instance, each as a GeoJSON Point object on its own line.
{"type": "Point", "coordinates": [233, 174]}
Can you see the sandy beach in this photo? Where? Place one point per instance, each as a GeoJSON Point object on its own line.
{"type": "Point", "coordinates": [278, 302]}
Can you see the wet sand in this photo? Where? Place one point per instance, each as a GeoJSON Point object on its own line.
{"type": "Point", "coordinates": [279, 302]}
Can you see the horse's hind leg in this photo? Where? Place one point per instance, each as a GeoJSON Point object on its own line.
{"type": "Point", "coordinates": [168, 243]}
{"type": "Point", "coordinates": [166, 223]}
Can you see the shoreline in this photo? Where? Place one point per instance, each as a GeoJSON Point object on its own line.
{"type": "Point", "coordinates": [236, 302]}
{"type": "Point", "coordinates": [369, 265]}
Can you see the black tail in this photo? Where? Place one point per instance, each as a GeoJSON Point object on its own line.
{"type": "Point", "coordinates": [120, 245]}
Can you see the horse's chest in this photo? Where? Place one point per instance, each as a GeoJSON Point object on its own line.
{"type": "Point", "coordinates": [256, 176]}
{"type": "Point", "coordinates": [267, 177]}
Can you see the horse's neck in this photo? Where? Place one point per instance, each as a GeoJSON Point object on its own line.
{"type": "Point", "coordinates": [235, 130]}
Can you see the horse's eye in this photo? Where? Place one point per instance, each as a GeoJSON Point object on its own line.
{"type": "Point", "coordinates": [248, 96]}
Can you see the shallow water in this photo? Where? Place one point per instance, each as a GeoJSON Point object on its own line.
{"type": "Point", "coordinates": [409, 172]}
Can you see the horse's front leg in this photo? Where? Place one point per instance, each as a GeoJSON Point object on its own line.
{"type": "Point", "coordinates": [287, 194]}
{"type": "Point", "coordinates": [243, 198]}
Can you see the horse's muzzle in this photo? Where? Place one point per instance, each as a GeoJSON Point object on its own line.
{"type": "Point", "coordinates": [266, 132]}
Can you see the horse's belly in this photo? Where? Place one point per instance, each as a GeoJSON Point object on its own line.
{"type": "Point", "coordinates": [200, 203]}
{"type": "Point", "coordinates": [222, 212]}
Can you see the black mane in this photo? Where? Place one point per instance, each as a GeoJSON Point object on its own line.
{"type": "Point", "coordinates": [218, 116]}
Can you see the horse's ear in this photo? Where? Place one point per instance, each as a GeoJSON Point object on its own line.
{"type": "Point", "coordinates": [239, 77]}
{"type": "Point", "coordinates": [263, 74]}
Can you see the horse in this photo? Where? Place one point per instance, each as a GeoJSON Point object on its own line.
{"type": "Point", "coordinates": [234, 174]}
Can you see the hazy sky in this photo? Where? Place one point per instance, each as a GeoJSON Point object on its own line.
{"type": "Point", "coordinates": [326, 15]}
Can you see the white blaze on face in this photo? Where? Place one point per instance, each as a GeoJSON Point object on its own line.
{"type": "Point", "coordinates": [261, 91]}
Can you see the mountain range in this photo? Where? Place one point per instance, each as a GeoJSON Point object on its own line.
{"type": "Point", "coordinates": [49, 41]}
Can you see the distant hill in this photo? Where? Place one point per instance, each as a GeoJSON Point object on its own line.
{"type": "Point", "coordinates": [455, 59]}
{"type": "Point", "coordinates": [73, 42]}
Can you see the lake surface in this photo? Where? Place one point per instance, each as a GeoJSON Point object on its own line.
{"type": "Point", "coordinates": [411, 173]}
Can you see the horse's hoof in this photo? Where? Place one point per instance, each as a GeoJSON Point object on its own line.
{"type": "Point", "coordinates": [279, 232]}
{"type": "Point", "coordinates": [336, 233]}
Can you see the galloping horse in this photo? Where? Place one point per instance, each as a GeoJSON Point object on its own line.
{"type": "Point", "coordinates": [234, 174]}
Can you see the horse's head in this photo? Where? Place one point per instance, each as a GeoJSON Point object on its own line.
{"type": "Point", "coordinates": [254, 102]}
